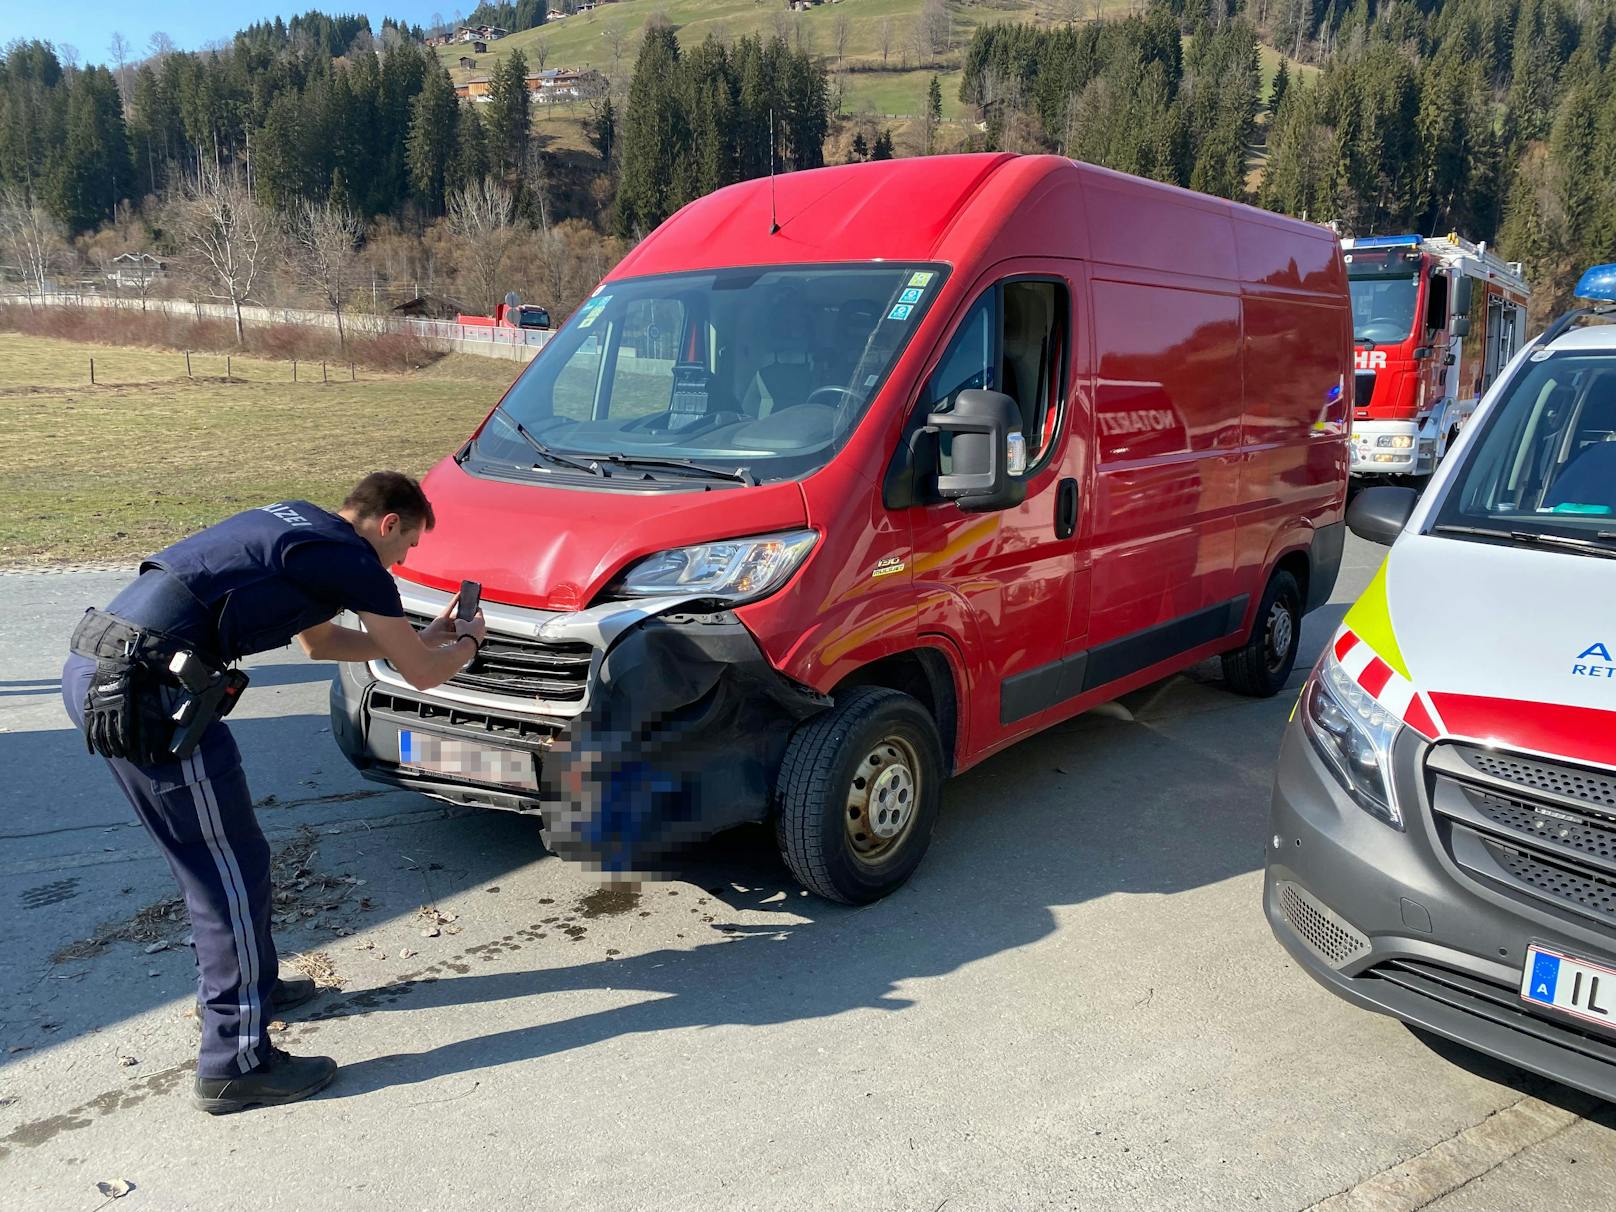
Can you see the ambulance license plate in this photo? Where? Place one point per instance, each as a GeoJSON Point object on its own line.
{"type": "Point", "coordinates": [466, 760]}
{"type": "Point", "coordinates": [1572, 986]}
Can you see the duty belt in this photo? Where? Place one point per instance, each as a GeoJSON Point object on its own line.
{"type": "Point", "coordinates": [100, 635]}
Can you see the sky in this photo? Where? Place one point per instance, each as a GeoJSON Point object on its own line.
{"type": "Point", "coordinates": [89, 24]}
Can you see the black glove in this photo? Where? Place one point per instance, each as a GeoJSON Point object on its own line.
{"type": "Point", "coordinates": [111, 715]}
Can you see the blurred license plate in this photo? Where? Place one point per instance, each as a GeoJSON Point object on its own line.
{"type": "Point", "coordinates": [466, 759]}
{"type": "Point", "coordinates": [1572, 986]}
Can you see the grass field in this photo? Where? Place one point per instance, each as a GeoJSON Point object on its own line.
{"type": "Point", "coordinates": [116, 471]}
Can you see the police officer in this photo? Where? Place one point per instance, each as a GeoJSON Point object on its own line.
{"type": "Point", "coordinates": [245, 585]}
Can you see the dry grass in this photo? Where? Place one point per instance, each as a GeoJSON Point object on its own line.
{"type": "Point", "coordinates": [115, 472]}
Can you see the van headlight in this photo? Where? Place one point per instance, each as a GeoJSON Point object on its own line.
{"type": "Point", "coordinates": [1353, 733]}
{"type": "Point", "coordinates": [734, 570]}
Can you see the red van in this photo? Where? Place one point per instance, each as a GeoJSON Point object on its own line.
{"type": "Point", "coordinates": [840, 483]}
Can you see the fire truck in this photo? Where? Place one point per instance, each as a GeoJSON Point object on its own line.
{"type": "Point", "coordinates": [1433, 322]}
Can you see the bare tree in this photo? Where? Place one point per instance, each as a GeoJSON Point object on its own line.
{"type": "Point", "coordinates": [159, 45]}
{"type": "Point", "coordinates": [32, 240]}
{"type": "Point", "coordinates": [327, 239]}
{"type": "Point", "coordinates": [616, 39]}
{"type": "Point", "coordinates": [539, 54]}
{"type": "Point", "coordinates": [481, 215]}
{"type": "Point", "coordinates": [228, 235]}
{"type": "Point", "coordinates": [885, 30]}
{"type": "Point", "coordinates": [840, 30]}
{"type": "Point", "coordinates": [120, 49]}
{"type": "Point", "coordinates": [68, 54]}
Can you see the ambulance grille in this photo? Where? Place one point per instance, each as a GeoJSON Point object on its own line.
{"type": "Point", "coordinates": [1319, 926]}
{"type": "Point", "coordinates": [526, 668]}
{"type": "Point", "coordinates": [1540, 830]}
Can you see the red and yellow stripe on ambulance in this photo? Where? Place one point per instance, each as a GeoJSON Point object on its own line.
{"type": "Point", "coordinates": [1504, 646]}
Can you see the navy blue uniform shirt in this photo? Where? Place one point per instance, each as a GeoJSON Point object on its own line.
{"type": "Point", "coordinates": [253, 581]}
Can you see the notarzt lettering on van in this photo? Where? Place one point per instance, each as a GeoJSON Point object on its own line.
{"type": "Point", "coordinates": [286, 514]}
{"type": "Point", "coordinates": [1140, 420]}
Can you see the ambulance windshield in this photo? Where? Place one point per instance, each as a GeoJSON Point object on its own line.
{"type": "Point", "coordinates": [1544, 465]}
{"type": "Point", "coordinates": [766, 370]}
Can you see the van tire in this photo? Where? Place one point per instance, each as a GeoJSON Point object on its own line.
{"type": "Point", "coordinates": [1257, 668]}
{"type": "Point", "coordinates": [819, 809]}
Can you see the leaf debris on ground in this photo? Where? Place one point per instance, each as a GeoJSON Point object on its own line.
{"type": "Point", "coordinates": [317, 966]}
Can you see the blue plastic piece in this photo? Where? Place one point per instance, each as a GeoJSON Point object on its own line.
{"type": "Point", "coordinates": [1598, 284]}
{"type": "Point", "coordinates": [1387, 242]}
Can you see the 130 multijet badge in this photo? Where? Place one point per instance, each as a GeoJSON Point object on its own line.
{"type": "Point", "coordinates": [1594, 661]}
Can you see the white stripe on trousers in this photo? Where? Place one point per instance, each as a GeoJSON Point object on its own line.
{"type": "Point", "coordinates": [207, 810]}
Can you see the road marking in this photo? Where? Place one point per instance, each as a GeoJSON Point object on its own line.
{"type": "Point", "coordinates": [1458, 1161]}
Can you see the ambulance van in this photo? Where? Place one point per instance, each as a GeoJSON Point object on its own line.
{"type": "Point", "coordinates": [843, 482]}
{"type": "Point", "coordinates": [1444, 814]}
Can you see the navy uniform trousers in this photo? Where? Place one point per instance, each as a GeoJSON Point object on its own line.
{"type": "Point", "coordinates": [201, 816]}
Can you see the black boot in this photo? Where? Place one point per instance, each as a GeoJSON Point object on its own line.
{"type": "Point", "coordinates": [288, 992]}
{"type": "Point", "coordinates": [280, 1079]}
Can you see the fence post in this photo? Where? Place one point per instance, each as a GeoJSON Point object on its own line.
{"type": "Point", "coordinates": [323, 378]}
{"type": "Point", "coordinates": [352, 378]}
{"type": "Point", "coordinates": [92, 372]}
{"type": "Point", "coordinates": [187, 364]}
{"type": "Point", "coordinates": [294, 370]}
{"type": "Point", "coordinates": [227, 366]}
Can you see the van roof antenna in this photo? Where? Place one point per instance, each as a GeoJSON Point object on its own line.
{"type": "Point", "coordinates": [774, 222]}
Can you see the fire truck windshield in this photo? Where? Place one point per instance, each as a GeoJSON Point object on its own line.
{"type": "Point", "coordinates": [1382, 305]}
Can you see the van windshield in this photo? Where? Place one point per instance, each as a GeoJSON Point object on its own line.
{"type": "Point", "coordinates": [763, 371]}
{"type": "Point", "coordinates": [1544, 466]}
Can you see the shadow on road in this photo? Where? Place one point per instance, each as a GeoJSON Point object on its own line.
{"type": "Point", "coordinates": [1167, 795]}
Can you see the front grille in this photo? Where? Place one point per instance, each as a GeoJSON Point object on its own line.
{"type": "Point", "coordinates": [1363, 388]}
{"type": "Point", "coordinates": [1539, 829]}
{"type": "Point", "coordinates": [525, 668]}
{"type": "Point", "coordinates": [1320, 927]}
{"type": "Point", "coordinates": [1496, 1003]}
{"type": "Point", "coordinates": [407, 711]}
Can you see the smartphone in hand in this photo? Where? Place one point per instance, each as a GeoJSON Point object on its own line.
{"type": "Point", "coordinates": [471, 593]}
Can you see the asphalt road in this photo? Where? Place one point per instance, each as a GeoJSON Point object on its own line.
{"type": "Point", "coordinates": [1075, 1004]}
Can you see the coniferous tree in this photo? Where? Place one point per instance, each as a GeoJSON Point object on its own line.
{"type": "Point", "coordinates": [431, 148]}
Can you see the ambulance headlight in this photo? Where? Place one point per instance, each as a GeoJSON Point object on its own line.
{"type": "Point", "coordinates": [1353, 733]}
{"type": "Point", "coordinates": [733, 570]}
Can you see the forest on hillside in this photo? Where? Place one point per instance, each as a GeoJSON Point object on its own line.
{"type": "Point", "coordinates": [344, 158]}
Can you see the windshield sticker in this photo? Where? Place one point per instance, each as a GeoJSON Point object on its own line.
{"type": "Point", "coordinates": [869, 380]}
{"type": "Point", "coordinates": [592, 310]}
{"type": "Point", "coordinates": [912, 295]}
{"type": "Point", "coordinates": [921, 279]}
{"type": "Point", "coordinates": [900, 312]}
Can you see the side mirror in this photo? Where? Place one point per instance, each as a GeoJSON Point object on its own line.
{"type": "Point", "coordinates": [1380, 513]}
{"type": "Point", "coordinates": [1459, 326]}
{"type": "Point", "coordinates": [1462, 287]}
{"type": "Point", "coordinates": [1423, 352]}
{"type": "Point", "coordinates": [988, 451]}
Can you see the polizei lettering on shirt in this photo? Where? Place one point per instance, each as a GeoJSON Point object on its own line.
{"type": "Point", "coordinates": [287, 514]}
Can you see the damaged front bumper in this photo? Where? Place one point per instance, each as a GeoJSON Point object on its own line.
{"type": "Point", "coordinates": [662, 727]}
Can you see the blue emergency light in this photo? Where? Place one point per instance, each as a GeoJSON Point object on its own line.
{"type": "Point", "coordinates": [1598, 284]}
{"type": "Point", "coordinates": [1387, 242]}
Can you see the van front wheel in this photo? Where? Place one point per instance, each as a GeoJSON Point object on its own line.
{"type": "Point", "coordinates": [857, 795]}
{"type": "Point", "coordinates": [1261, 666]}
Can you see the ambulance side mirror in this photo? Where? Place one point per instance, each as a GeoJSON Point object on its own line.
{"type": "Point", "coordinates": [988, 451]}
{"type": "Point", "coordinates": [1380, 513]}
{"type": "Point", "coordinates": [1460, 326]}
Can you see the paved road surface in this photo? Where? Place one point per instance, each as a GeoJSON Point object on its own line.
{"type": "Point", "coordinates": [1076, 1004]}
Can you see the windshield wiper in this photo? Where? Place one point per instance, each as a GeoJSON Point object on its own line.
{"type": "Point", "coordinates": [543, 451]}
{"type": "Point", "coordinates": [741, 475]}
{"type": "Point", "coordinates": [1534, 537]}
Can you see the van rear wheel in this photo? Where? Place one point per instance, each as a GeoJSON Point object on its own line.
{"type": "Point", "coordinates": [1262, 665]}
{"type": "Point", "coordinates": [857, 796]}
